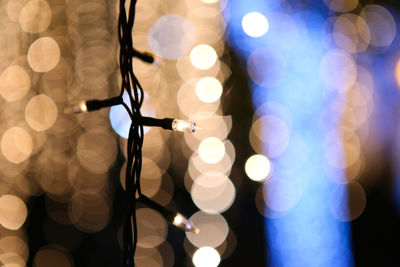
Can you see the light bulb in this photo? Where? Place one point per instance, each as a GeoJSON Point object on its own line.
{"type": "Point", "coordinates": [181, 222]}
{"type": "Point", "coordinates": [184, 126]}
{"type": "Point", "coordinates": [78, 108]}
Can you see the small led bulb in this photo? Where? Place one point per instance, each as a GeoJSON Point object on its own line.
{"type": "Point", "coordinates": [184, 126]}
{"type": "Point", "coordinates": [181, 222]}
{"type": "Point", "coordinates": [78, 108]}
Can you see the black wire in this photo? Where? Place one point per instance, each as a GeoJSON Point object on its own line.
{"type": "Point", "coordinates": [131, 85]}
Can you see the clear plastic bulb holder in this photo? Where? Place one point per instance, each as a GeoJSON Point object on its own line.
{"type": "Point", "coordinates": [181, 222]}
{"type": "Point", "coordinates": [78, 108]}
{"type": "Point", "coordinates": [184, 126]}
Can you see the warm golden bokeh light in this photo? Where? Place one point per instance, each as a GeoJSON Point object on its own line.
{"type": "Point", "coordinates": [211, 150]}
{"type": "Point", "coordinates": [89, 211]}
{"type": "Point", "coordinates": [189, 103]}
{"type": "Point", "coordinates": [52, 256]}
{"type": "Point", "coordinates": [95, 158]}
{"type": "Point", "coordinates": [258, 167]}
{"type": "Point", "coordinates": [351, 33]}
{"type": "Point", "coordinates": [41, 113]}
{"type": "Point", "coordinates": [255, 24]}
{"type": "Point", "coordinates": [13, 212]}
{"type": "Point", "coordinates": [203, 56]}
{"type": "Point", "coordinates": [208, 89]}
{"type": "Point", "coordinates": [16, 245]}
{"type": "Point", "coordinates": [14, 83]}
{"type": "Point", "coordinates": [341, 5]}
{"type": "Point", "coordinates": [213, 192]}
{"type": "Point", "coordinates": [213, 229]}
{"type": "Point", "coordinates": [206, 257]}
{"type": "Point", "coordinates": [381, 24]}
{"type": "Point", "coordinates": [14, 8]}
{"type": "Point", "coordinates": [35, 16]}
{"type": "Point", "coordinates": [152, 228]}
{"type": "Point", "coordinates": [397, 73]}
{"type": "Point", "coordinates": [145, 257]}
{"type": "Point", "coordinates": [43, 54]}
{"type": "Point", "coordinates": [210, 1]}
{"type": "Point", "coordinates": [16, 145]}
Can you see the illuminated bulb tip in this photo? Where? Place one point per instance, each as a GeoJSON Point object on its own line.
{"type": "Point", "coordinates": [181, 222]}
{"type": "Point", "coordinates": [78, 108]}
{"type": "Point", "coordinates": [184, 126]}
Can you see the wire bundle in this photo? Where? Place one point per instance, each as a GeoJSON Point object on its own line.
{"type": "Point", "coordinates": [131, 85]}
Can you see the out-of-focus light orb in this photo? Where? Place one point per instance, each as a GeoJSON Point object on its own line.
{"type": "Point", "coordinates": [213, 229]}
{"type": "Point", "coordinates": [351, 33]}
{"type": "Point", "coordinates": [341, 5]}
{"type": "Point", "coordinates": [35, 16]}
{"type": "Point", "coordinates": [93, 157]}
{"type": "Point", "coordinates": [397, 73]}
{"type": "Point", "coordinates": [14, 83]}
{"type": "Point", "coordinates": [119, 117]}
{"type": "Point", "coordinates": [210, 1]}
{"type": "Point", "coordinates": [213, 192]}
{"type": "Point", "coordinates": [16, 145]}
{"type": "Point", "coordinates": [208, 89]}
{"type": "Point", "coordinates": [267, 67]}
{"type": "Point", "coordinates": [282, 191]}
{"type": "Point", "coordinates": [15, 245]}
{"type": "Point", "coordinates": [257, 167]}
{"type": "Point", "coordinates": [380, 23]}
{"type": "Point", "coordinates": [348, 201]}
{"type": "Point", "coordinates": [43, 54]}
{"type": "Point", "coordinates": [338, 70]}
{"type": "Point", "coordinates": [206, 257]}
{"type": "Point", "coordinates": [50, 256]}
{"type": "Point", "coordinates": [41, 112]}
{"type": "Point", "coordinates": [152, 234]}
{"type": "Point", "coordinates": [171, 36]}
{"type": "Point", "coordinates": [255, 24]}
{"type": "Point", "coordinates": [14, 7]}
{"type": "Point", "coordinates": [13, 212]}
{"type": "Point", "coordinates": [203, 56]}
{"type": "Point", "coordinates": [211, 150]}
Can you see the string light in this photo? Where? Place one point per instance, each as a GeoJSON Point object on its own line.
{"type": "Point", "coordinates": [170, 215]}
{"type": "Point", "coordinates": [131, 85]}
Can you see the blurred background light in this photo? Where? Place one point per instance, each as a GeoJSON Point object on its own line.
{"type": "Point", "coordinates": [13, 212]}
{"type": "Point", "coordinates": [255, 24]}
{"type": "Point", "coordinates": [208, 89]}
{"type": "Point", "coordinates": [43, 54]}
{"type": "Point", "coordinates": [211, 150]}
{"type": "Point", "coordinates": [171, 36]}
{"type": "Point", "coordinates": [203, 56]}
{"type": "Point", "coordinates": [35, 16]}
{"type": "Point", "coordinates": [14, 83]}
{"type": "Point", "coordinates": [206, 256]}
{"type": "Point", "coordinates": [213, 230]}
{"type": "Point", "coordinates": [258, 167]}
{"type": "Point", "coordinates": [16, 144]}
{"type": "Point", "coordinates": [41, 112]}
{"type": "Point", "coordinates": [213, 192]}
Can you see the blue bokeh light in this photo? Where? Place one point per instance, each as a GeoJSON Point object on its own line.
{"type": "Point", "coordinates": [301, 231]}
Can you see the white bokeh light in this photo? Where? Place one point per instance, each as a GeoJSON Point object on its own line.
{"type": "Point", "coordinates": [203, 57]}
{"type": "Point", "coordinates": [206, 257]}
{"type": "Point", "coordinates": [255, 24]}
{"type": "Point", "coordinates": [257, 167]}
{"type": "Point", "coordinates": [211, 150]}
